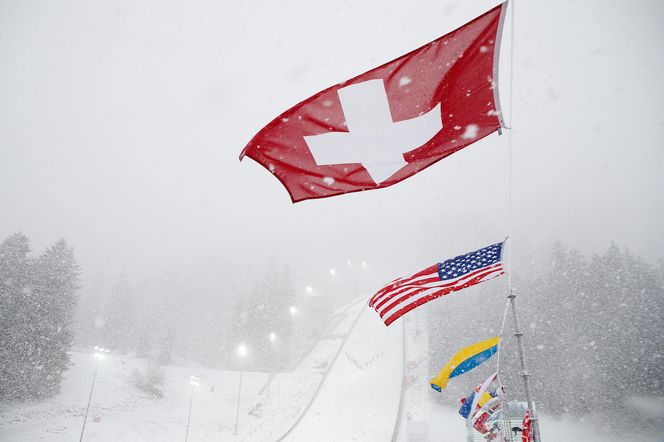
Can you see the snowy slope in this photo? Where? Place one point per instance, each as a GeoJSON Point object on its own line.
{"type": "Point", "coordinates": [360, 397]}
{"type": "Point", "coordinates": [360, 364]}
{"type": "Point", "coordinates": [121, 411]}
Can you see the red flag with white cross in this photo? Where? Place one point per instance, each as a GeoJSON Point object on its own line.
{"type": "Point", "coordinates": [391, 122]}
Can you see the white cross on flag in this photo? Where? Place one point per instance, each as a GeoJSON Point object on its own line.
{"type": "Point", "coordinates": [389, 123]}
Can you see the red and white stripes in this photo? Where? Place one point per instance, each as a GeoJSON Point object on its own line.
{"type": "Point", "coordinates": [404, 294]}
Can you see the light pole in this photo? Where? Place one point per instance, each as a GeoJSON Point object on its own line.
{"type": "Point", "coordinates": [193, 381]}
{"type": "Point", "coordinates": [273, 337]}
{"type": "Point", "coordinates": [99, 354]}
{"type": "Point", "coordinates": [242, 353]}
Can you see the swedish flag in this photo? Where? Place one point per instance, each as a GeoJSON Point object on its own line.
{"type": "Point", "coordinates": [465, 360]}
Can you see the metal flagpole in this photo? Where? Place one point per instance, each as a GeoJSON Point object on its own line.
{"type": "Point", "coordinates": [507, 429]}
{"type": "Point", "coordinates": [524, 370]}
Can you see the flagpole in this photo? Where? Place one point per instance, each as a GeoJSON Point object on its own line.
{"type": "Point", "coordinates": [524, 370]}
{"type": "Point", "coordinates": [503, 397]}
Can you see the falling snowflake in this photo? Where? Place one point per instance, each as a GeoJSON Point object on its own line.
{"type": "Point", "coordinates": [328, 180]}
{"type": "Point", "coordinates": [405, 80]}
{"type": "Point", "coordinates": [471, 132]}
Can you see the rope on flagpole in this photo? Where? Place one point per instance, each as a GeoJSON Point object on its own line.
{"type": "Point", "coordinates": [502, 329]}
{"type": "Point", "coordinates": [504, 399]}
{"type": "Point", "coordinates": [509, 184]}
{"type": "Point", "coordinates": [509, 149]}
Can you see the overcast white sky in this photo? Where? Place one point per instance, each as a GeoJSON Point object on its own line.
{"type": "Point", "coordinates": [121, 123]}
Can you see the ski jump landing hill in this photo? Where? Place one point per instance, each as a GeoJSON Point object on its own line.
{"type": "Point", "coordinates": [359, 396]}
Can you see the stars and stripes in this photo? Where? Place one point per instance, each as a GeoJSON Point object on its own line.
{"type": "Point", "coordinates": [404, 294]}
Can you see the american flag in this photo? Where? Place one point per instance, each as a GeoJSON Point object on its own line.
{"type": "Point", "coordinates": [404, 294]}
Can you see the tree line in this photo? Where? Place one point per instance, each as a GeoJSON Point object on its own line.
{"type": "Point", "coordinates": [45, 314]}
{"type": "Point", "coordinates": [592, 332]}
{"type": "Point", "coordinates": [202, 318]}
{"type": "Point", "coordinates": [37, 307]}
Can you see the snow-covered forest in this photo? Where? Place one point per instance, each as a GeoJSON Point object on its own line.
{"type": "Point", "coordinates": [38, 298]}
{"type": "Point", "coordinates": [592, 323]}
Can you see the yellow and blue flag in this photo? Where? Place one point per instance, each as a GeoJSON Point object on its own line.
{"type": "Point", "coordinates": [465, 360]}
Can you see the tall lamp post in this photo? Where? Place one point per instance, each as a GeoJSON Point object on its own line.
{"type": "Point", "coordinates": [193, 381]}
{"type": "Point", "coordinates": [99, 354]}
{"type": "Point", "coordinates": [273, 337]}
{"type": "Point", "coordinates": [241, 353]}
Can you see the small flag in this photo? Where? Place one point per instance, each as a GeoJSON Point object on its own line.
{"type": "Point", "coordinates": [480, 421]}
{"type": "Point", "coordinates": [478, 397]}
{"type": "Point", "coordinates": [481, 399]}
{"type": "Point", "coordinates": [467, 403]}
{"type": "Point", "coordinates": [489, 401]}
{"type": "Point", "coordinates": [404, 294]}
{"type": "Point", "coordinates": [465, 360]}
{"type": "Point", "coordinates": [391, 122]}
{"type": "Point", "coordinates": [486, 407]}
{"type": "Point", "coordinates": [471, 403]}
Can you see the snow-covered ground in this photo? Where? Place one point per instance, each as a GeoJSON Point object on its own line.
{"type": "Point", "coordinates": [121, 411]}
{"type": "Point", "coordinates": [359, 399]}
{"type": "Point", "coordinates": [360, 363]}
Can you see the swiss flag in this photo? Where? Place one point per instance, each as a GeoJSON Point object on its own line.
{"type": "Point", "coordinates": [389, 123]}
